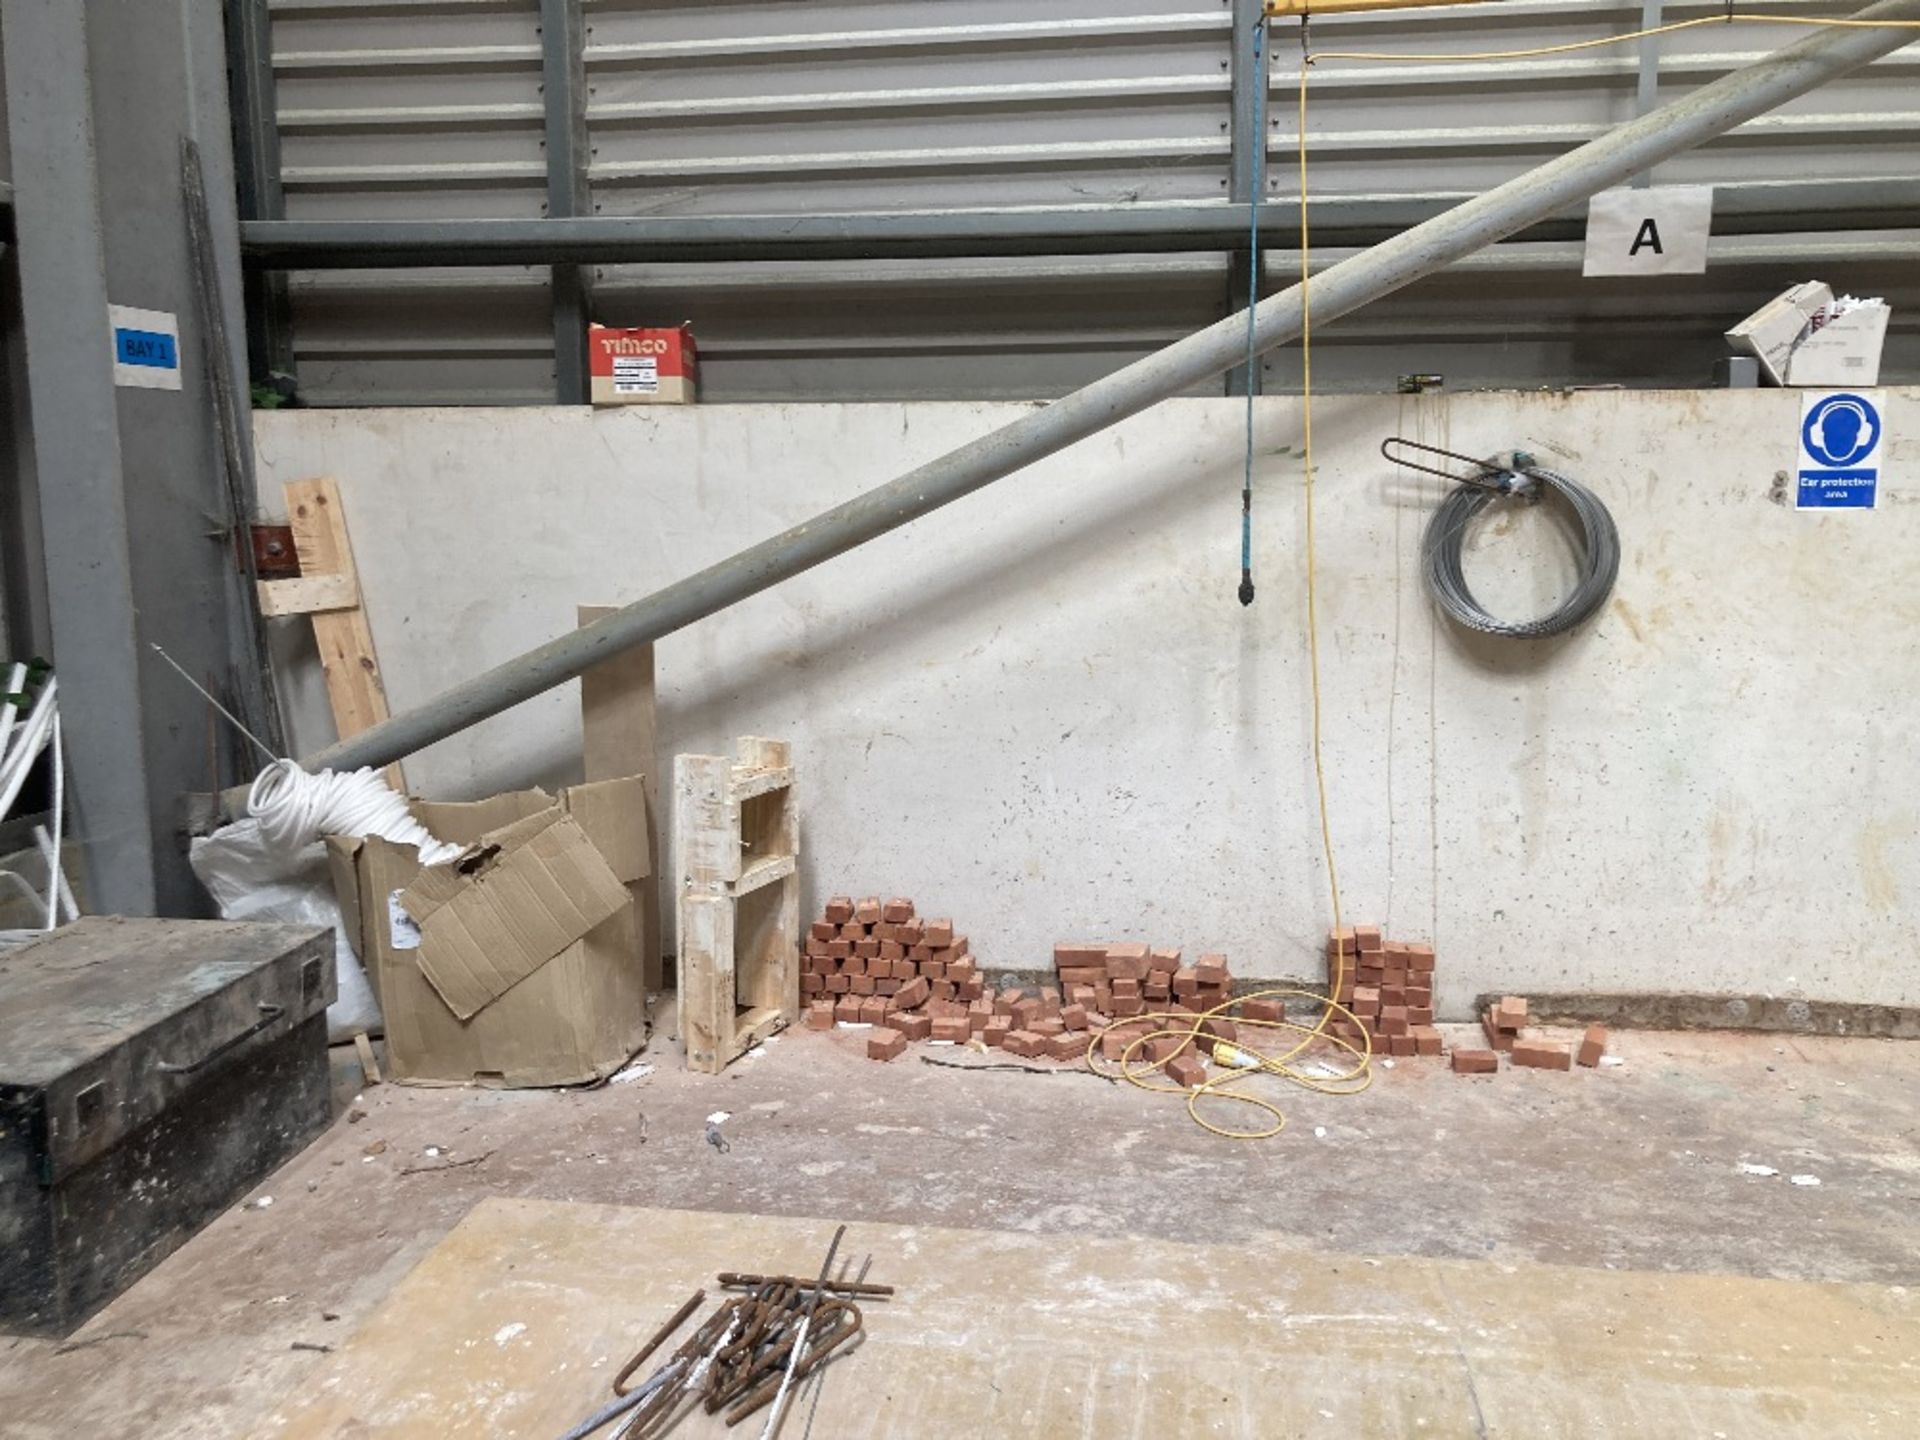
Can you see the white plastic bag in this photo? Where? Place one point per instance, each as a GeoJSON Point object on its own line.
{"type": "Point", "coordinates": [248, 882]}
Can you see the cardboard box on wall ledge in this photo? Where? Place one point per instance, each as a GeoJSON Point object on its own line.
{"type": "Point", "coordinates": [1806, 337]}
{"type": "Point", "coordinates": [651, 366]}
{"type": "Point", "coordinates": [519, 964]}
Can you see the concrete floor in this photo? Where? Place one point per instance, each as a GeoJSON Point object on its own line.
{"type": "Point", "coordinates": [1636, 1168]}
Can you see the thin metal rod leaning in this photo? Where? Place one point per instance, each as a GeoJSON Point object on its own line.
{"type": "Point", "coordinates": [1609, 160]}
{"type": "Point", "coordinates": [800, 1340]}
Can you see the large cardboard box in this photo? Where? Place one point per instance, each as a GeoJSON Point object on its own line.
{"type": "Point", "coordinates": [518, 964]}
{"type": "Point", "coordinates": [1772, 331]}
{"type": "Point", "coordinates": [1844, 350]}
{"type": "Point", "coordinates": [1805, 337]}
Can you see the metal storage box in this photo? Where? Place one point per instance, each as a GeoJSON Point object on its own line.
{"type": "Point", "coordinates": [151, 1071]}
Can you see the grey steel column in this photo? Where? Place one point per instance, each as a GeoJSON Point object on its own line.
{"type": "Point", "coordinates": [256, 146]}
{"type": "Point", "coordinates": [1647, 88]}
{"type": "Point", "coordinates": [1246, 163]}
{"type": "Point", "coordinates": [1609, 160]}
{"type": "Point", "coordinates": [73, 414]}
{"type": "Point", "coordinates": [563, 38]}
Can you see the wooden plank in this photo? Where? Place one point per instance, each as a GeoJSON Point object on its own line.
{"type": "Point", "coordinates": [617, 721]}
{"type": "Point", "coordinates": [771, 953]}
{"type": "Point", "coordinates": [307, 594]}
{"type": "Point", "coordinates": [748, 784]}
{"type": "Point", "coordinates": [344, 637]}
{"type": "Point", "coordinates": [513, 1323]}
{"type": "Point", "coordinates": [764, 872]}
{"type": "Point", "coordinates": [369, 1067]}
{"type": "Point", "coordinates": [707, 1005]}
{"type": "Point", "coordinates": [706, 823]}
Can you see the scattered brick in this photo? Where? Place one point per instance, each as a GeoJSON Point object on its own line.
{"type": "Point", "coordinates": [1499, 1039]}
{"type": "Point", "coordinates": [1074, 1017]}
{"type": "Point", "coordinates": [1127, 962]}
{"type": "Point", "coordinates": [1024, 1042]}
{"type": "Point", "coordinates": [1263, 1010]}
{"type": "Point", "coordinates": [1188, 1070]}
{"type": "Point", "coordinates": [996, 1031]}
{"type": "Point", "coordinates": [886, 1045]}
{"type": "Point", "coordinates": [1593, 1045]}
{"type": "Point", "coordinates": [1114, 1042]}
{"type": "Point", "coordinates": [954, 1028]}
{"type": "Point", "coordinates": [847, 1010]}
{"type": "Point", "coordinates": [1475, 1062]}
{"type": "Point", "coordinates": [1079, 953]}
{"type": "Point", "coordinates": [914, 1024]}
{"type": "Point", "coordinates": [1543, 1054]}
{"type": "Point", "coordinates": [1511, 1012]}
{"type": "Point", "coordinates": [820, 1015]}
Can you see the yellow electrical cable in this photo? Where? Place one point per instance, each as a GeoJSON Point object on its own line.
{"type": "Point", "coordinates": [1187, 1028]}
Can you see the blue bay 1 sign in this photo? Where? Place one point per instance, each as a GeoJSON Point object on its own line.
{"type": "Point", "coordinates": [1842, 437]}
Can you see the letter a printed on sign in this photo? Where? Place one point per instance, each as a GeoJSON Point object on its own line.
{"type": "Point", "coordinates": [1661, 230]}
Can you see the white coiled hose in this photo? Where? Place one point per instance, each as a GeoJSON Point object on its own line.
{"type": "Point", "coordinates": [295, 809]}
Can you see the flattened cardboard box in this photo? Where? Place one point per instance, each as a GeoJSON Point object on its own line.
{"type": "Point", "coordinates": [518, 965]}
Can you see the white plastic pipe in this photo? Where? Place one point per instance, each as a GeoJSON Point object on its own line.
{"type": "Point", "coordinates": [31, 740]}
{"type": "Point", "coordinates": [7, 711]}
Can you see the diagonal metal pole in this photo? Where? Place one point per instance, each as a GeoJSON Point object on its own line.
{"type": "Point", "coordinates": [1609, 160]}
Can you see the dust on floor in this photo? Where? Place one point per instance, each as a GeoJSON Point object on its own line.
{"type": "Point", "coordinates": [1654, 1165]}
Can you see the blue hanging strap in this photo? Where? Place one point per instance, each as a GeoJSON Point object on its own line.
{"type": "Point", "coordinates": [1254, 157]}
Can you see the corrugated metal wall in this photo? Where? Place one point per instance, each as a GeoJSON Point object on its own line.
{"type": "Point", "coordinates": [433, 109]}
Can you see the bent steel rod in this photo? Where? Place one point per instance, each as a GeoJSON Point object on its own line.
{"type": "Point", "coordinates": [1601, 163]}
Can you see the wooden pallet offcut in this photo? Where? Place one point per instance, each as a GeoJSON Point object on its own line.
{"type": "Point", "coordinates": [328, 590]}
{"type": "Point", "coordinates": [736, 829]}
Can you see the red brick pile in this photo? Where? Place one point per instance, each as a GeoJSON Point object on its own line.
{"type": "Point", "coordinates": [1116, 984]}
{"type": "Point", "coordinates": [867, 962]}
{"type": "Point", "coordinates": [1388, 986]}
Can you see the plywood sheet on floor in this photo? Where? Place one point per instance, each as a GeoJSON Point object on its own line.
{"type": "Point", "coordinates": [516, 1322]}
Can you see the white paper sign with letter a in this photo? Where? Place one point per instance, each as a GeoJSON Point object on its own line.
{"type": "Point", "coordinates": [1657, 231]}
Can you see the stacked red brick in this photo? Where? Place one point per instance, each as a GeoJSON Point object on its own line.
{"type": "Point", "coordinates": [1127, 980]}
{"type": "Point", "coordinates": [1388, 985]}
{"type": "Point", "coordinates": [874, 963]}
